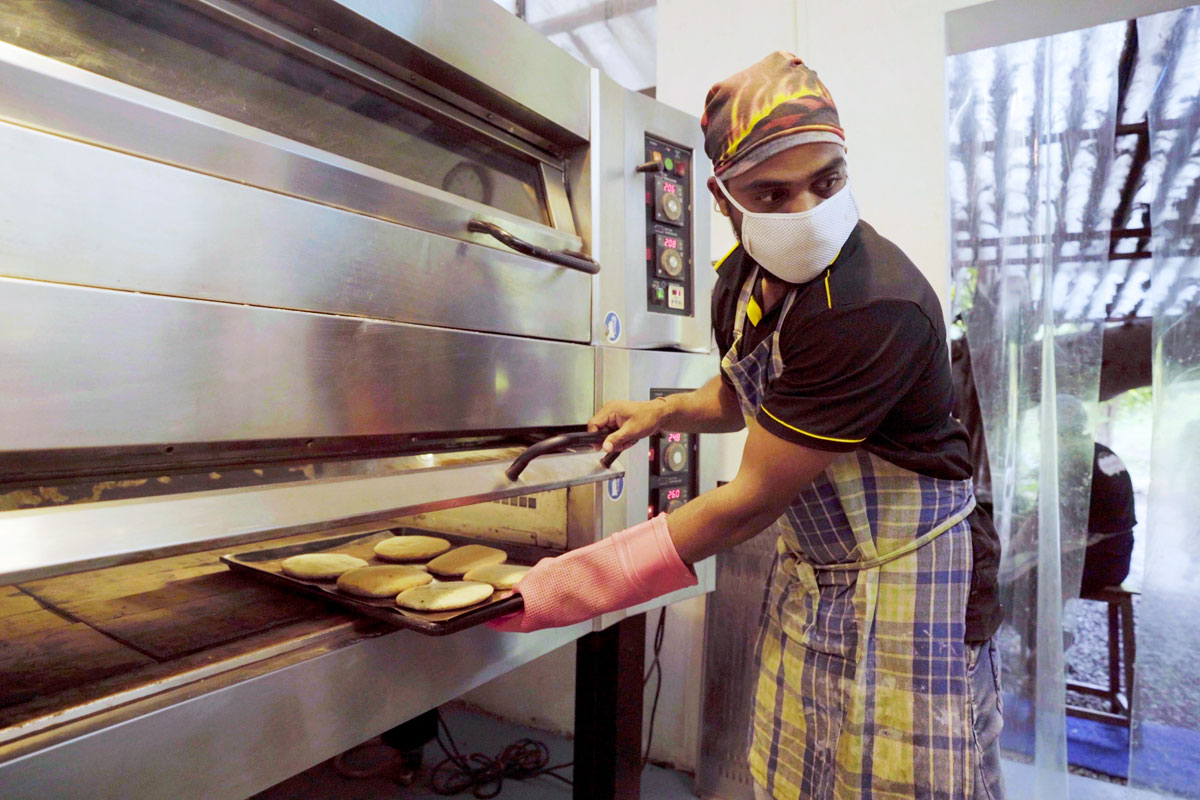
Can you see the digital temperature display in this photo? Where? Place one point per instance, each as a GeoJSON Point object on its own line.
{"type": "Point", "coordinates": [674, 494]}
{"type": "Point", "coordinates": [670, 242]}
{"type": "Point", "coordinates": [670, 188]}
{"type": "Point", "coordinates": [674, 437]}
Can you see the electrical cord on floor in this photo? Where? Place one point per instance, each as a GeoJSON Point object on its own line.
{"type": "Point", "coordinates": [655, 669]}
{"type": "Point", "coordinates": [483, 776]}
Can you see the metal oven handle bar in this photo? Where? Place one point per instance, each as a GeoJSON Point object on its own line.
{"type": "Point", "coordinates": [556, 444]}
{"type": "Point", "coordinates": [563, 258]}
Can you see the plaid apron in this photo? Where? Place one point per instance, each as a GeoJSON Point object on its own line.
{"type": "Point", "coordinates": [862, 688]}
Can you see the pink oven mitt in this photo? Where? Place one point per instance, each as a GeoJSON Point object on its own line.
{"type": "Point", "coordinates": [629, 567]}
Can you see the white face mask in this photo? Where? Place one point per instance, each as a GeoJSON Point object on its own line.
{"type": "Point", "coordinates": [798, 247]}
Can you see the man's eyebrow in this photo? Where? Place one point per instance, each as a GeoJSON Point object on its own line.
{"type": "Point", "coordinates": [762, 184]}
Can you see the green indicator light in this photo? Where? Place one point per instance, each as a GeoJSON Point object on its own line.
{"type": "Point", "coordinates": [669, 164]}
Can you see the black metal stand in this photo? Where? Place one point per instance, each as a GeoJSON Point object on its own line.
{"type": "Point", "coordinates": [608, 712]}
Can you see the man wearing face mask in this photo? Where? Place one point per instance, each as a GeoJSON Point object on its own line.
{"type": "Point", "coordinates": [877, 674]}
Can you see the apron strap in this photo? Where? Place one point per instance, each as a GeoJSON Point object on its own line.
{"type": "Point", "coordinates": [739, 319]}
{"type": "Point", "coordinates": [914, 545]}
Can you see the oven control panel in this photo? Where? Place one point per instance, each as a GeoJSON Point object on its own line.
{"type": "Point", "coordinates": [674, 466]}
{"type": "Point", "coordinates": [668, 229]}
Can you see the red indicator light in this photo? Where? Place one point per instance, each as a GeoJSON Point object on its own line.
{"type": "Point", "coordinates": [674, 437]}
{"type": "Point", "coordinates": [680, 168]}
{"type": "Point", "coordinates": [649, 512]}
{"type": "Point", "coordinates": [649, 255]}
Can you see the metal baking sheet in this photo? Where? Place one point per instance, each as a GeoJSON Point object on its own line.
{"type": "Point", "coordinates": [265, 565]}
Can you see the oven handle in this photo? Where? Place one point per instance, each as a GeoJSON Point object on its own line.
{"type": "Point", "coordinates": [556, 444]}
{"type": "Point", "coordinates": [563, 258]}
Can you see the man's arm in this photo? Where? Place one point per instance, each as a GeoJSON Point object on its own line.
{"type": "Point", "coordinates": [651, 558]}
{"type": "Point", "coordinates": [772, 472]}
{"type": "Point", "coordinates": [713, 408]}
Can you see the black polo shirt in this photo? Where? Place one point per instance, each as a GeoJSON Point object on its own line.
{"type": "Point", "coordinates": [865, 364]}
{"type": "Point", "coordinates": [1112, 509]}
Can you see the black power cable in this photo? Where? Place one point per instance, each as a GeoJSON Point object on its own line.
{"type": "Point", "coordinates": [484, 776]}
{"type": "Point", "coordinates": [655, 669]}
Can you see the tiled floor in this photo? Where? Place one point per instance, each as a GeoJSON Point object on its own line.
{"type": "Point", "coordinates": [475, 733]}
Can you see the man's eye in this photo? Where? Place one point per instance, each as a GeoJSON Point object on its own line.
{"type": "Point", "coordinates": [828, 186]}
{"type": "Point", "coordinates": [773, 197]}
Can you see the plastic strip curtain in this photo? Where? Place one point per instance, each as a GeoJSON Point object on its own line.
{"type": "Point", "coordinates": [1166, 707]}
{"type": "Point", "coordinates": [1031, 132]}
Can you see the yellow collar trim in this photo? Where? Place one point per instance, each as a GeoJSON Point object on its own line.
{"type": "Point", "coordinates": [718, 264]}
{"type": "Point", "coordinates": [753, 312]}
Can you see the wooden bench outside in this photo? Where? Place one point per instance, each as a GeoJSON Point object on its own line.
{"type": "Point", "coordinates": [1121, 642]}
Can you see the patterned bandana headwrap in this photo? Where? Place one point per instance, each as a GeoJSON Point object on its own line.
{"type": "Point", "coordinates": [774, 105]}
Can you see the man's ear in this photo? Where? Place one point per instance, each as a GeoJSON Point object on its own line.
{"type": "Point", "coordinates": [718, 196]}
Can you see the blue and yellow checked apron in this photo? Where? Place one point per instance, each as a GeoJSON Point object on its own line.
{"type": "Point", "coordinates": [862, 688]}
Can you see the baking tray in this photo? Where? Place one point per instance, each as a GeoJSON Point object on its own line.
{"type": "Point", "coordinates": [264, 565]}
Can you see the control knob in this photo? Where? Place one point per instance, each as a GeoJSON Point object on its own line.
{"type": "Point", "coordinates": [675, 457]}
{"type": "Point", "coordinates": [671, 262]}
{"type": "Point", "coordinates": [672, 207]}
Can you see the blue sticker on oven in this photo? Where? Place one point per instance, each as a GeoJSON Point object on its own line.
{"type": "Point", "coordinates": [616, 486]}
{"type": "Point", "coordinates": [612, 327]}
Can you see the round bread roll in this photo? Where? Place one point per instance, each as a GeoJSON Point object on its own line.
{"type": "Point", "coordinates": [385, 581]}
{"type": "Point", "coordinates": [411, 548]}
{"type": "Point", "coordinates": [462, 560]}
{"type": "Point", "coordinates": [501, 576]}
{"type": "Point", "coordinates": [446, 596]}
{"type": "Point", "coordinates": [320, 566]}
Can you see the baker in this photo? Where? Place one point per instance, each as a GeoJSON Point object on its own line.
{"type": "Point", "coordinates": [878, 677]}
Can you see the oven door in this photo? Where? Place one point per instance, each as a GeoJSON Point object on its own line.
{"type": "Point", "coordinates": [217, 152]}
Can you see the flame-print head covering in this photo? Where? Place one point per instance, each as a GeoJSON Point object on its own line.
{"type": "Point", "coordinates": [774, 105]}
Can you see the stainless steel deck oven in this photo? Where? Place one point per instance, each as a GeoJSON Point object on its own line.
{"type": "Point", "coordinates": [274, 272]}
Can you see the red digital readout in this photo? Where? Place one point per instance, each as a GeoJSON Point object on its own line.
{"type": "Point", "coordinates": [674, 437]}
{"type": "Point", "coordinates": [670, 242]}
{"type": "Point", "coordinates": [670, 188]}
{"type": "Point", "coordinates": [674, 494]}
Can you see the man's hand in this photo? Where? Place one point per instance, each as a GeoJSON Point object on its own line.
{"type": "Point", "coordinates": [713, 408]}
{"type": "Point", "coordinates": [631, 421]}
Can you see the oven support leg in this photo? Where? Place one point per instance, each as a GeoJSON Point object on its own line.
{"type": "Point", "coordinates": [608, 711]}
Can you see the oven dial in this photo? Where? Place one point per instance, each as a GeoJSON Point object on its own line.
{"type": "Point", "coordinates": [673, 505]}
{"type": "Point", "coordinates": [675, 457]}
{"type": "Point", "coordinates": [671, 262]}
{"type": "Point", "coordinates": [672, 207]}
{"type": "Point", "coordinates": [668, 201]}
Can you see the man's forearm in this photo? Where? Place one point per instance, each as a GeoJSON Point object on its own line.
{"type": "Point", "coordinates": [713, 408]}
{"type": "Point", "coordinates": [771, 473]}
{"type": "Point", "coordinates": [717, 520]}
